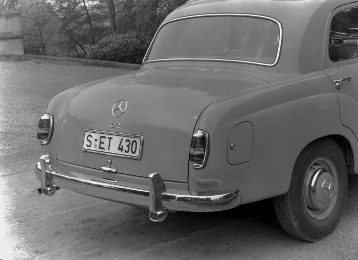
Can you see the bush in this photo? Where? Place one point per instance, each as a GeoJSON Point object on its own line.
{"type": "Point", "coordinates": [130, 47]}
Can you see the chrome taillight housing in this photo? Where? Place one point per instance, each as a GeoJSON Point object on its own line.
{"type": "Point", "coordinates": [199, 149]}
{"type": "Point", "coordinates": [45, 129]}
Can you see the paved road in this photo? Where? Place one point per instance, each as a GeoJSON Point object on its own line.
{"type": "Point", "coordinates": [74, 226]}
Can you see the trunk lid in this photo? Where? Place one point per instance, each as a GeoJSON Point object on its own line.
{"type": "Point", "coordinates": [163, 106]}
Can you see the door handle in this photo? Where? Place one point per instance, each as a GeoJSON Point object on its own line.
{"type": "Point", "coordinates": [109, 168]}
{"type": "Point", "coordinates": [339, 82]}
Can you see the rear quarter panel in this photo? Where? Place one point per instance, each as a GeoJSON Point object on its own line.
{"type": "Point", "coordinates": [286, 116]}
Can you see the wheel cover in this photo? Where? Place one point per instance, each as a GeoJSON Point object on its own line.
{"type": "Point", "coordinates": [321, 188]}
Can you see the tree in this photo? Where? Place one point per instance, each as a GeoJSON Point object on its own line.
{"type": "Point", "coordinates": [144, 15]}
{"type": "Point", "coordinates": [137, 22]}
{"type": "Point", "coordinates": [89, 19]}
{"type": "Point", "coordinates": [112, 15]}
{"type": "Point", "coordinates": [118, 30]}
{"type": "Point", "coordinates": [127, 47]}
{"type": "Point", "coordinates": [79, 22]}
{"type": "Point", "coordinates": [39, 25]}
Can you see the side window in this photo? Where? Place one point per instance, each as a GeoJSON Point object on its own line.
{"type": "Point", "coordinates": [343, 43]}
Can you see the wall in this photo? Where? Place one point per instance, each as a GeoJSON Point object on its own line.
{"type": "Point", "coordinates": [11, 36]}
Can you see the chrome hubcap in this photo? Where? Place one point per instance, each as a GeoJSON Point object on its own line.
{"type": "Point", "coordinates": [321, 189]}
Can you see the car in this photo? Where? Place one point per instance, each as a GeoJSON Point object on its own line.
{"type": "Point", "coordinates": [236, 101]}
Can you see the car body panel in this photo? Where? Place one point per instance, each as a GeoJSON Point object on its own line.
{"type": "Point", "coordinates": [163, 107]}
{"type": "Point", "coordinates": [348, 93]}
{"type": "Point", "coordinates": [283, 112]}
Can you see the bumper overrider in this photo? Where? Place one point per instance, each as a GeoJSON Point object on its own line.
{"type": "Point", "coordinates": [156, 198]}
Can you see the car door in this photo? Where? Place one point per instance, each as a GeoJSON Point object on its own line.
{"type": "Point", "coordinates": [341, 61]}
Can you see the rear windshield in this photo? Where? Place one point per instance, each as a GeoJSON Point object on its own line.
{"type": "Point", "coordinates": [249, 39]}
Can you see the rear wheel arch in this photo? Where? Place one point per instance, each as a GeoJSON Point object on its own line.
{"type": "Point", "coordinates": [343, 143]}
{"type": "Point", "coordinates": [347, 150]}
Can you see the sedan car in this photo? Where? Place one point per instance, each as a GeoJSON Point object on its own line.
{"type": "Point", "coordinates": [237, 101]}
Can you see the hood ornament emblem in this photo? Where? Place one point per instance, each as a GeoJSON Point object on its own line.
{"type": "Point", "coordinates": [109, 167]}
{"type": "Point", "coordinates": [119, 108]}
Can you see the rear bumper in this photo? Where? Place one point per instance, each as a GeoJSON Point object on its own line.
{"type": "Point", "coordinates": [156, 197]}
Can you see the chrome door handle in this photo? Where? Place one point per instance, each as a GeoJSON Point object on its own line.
{"type": "Point", "coordinates": [339, 82]}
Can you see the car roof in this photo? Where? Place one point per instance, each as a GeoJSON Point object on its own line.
{"type": "Point", "coordinates": [271, 8]}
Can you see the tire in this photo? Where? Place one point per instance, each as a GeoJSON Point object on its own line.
{"type": "Point", "coordinates": [314, 203]}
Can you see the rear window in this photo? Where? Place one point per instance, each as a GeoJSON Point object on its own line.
{"type": "Point", "coordinates": [239, 38]}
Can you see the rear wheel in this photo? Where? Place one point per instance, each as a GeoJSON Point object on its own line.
{"type": "Point", "coordinates": [314, 203]}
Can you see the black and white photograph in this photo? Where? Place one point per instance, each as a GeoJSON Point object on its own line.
{"type": "Point", "coordinates": [179, 129]}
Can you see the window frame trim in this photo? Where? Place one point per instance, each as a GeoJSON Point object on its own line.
{"type": "Point", "coordinates": [328, 63]}
{"type": "Point", "coordinates": [277, 58]}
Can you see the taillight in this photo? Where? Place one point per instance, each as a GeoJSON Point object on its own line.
{"type": "Point", "coordinates": [199, 149]}
{"type": "Point", "coordinates": [45, 129]}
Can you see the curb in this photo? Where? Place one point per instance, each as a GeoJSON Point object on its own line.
{"type": "Point", "coordinates": [66, 60]}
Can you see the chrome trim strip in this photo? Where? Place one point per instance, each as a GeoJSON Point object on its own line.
{"type": "Point", "coordinates": [98, 184]}
{"type": "Point", "coordinates": [156, 198]}
{"type": "Point", "coordinates": [140, 137]}
{"type": "Point", "coordinates": [223, 60]}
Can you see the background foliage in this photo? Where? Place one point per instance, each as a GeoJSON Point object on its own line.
{"type": "Point", "coordinates": [114, 30]}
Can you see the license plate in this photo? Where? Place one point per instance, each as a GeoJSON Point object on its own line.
{"type": "Point", "coordinates": [122, 145]}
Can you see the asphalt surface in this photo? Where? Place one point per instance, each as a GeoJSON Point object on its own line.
{"type": "Point", "coordinates": [74, 226]}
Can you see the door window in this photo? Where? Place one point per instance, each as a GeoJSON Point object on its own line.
{"type": "Point", "coordinates": [343, 43]}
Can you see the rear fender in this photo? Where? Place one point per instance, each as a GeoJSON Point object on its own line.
{"type": "Point", "coordinates": [286, 117]}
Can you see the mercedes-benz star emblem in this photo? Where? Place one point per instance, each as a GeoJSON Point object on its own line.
{"type": "Point", "coordinates": [119, 108]}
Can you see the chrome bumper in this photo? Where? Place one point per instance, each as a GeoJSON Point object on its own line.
{"type": "Point", "coordinates": [157, 198]}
